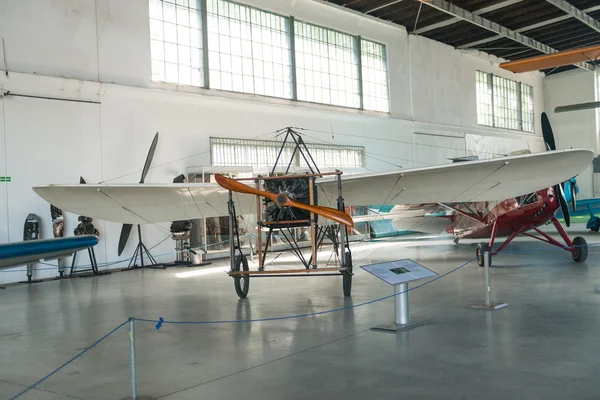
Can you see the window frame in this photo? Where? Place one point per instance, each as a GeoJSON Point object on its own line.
{"type": "Point", "coordinates": [264, 147]}
{"type": "Point", "coordinates": [493, 97]}
{"type": "Point", "coordinates": [290, 35]}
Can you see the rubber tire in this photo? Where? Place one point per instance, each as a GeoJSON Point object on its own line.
{"type": "Point", "coordinates": [579, 254]}
{"type": "Point", "coordinates": [347, 276]}
{"type": "Point", "coordinates": [241, 283]}
{"type": "Point", "coordinates": [482, 248]}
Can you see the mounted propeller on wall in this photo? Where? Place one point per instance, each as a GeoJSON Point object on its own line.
{"type": "Point", "coordinates": [559, 188]}
{"type": "Point", "coordinates": [126, 229]}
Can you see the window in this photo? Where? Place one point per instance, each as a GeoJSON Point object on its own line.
{"type": "Point", "coordinates": [176, 42]}
{"type": "Point", "coordinates": [249, 50]}
{"type": "Point", "coordinates": [374, 76]}
{"type": "Point", "coordinates": [234, 47]}
{"type": "Point", "coordinates": [504, 103]}
{"type": "Point", "coordinates": [263, 153]}
{"type": "Point", "coordinates": [326, 66]}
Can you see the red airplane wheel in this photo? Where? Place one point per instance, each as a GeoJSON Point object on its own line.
{"type": "Point", "coordinates": [580, 249]}
{"type": "Point", "coordinates": [481, 249]}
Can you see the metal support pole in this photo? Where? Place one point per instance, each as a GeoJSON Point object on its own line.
{"type": "Point", "coordinates": [231, 241]}
{"type": "Point", "coordinates": [401, 304]}
{"type": "Point", "coordinates": [486, 266]}
{"type": "Point", "coordinates": [402, 320]}
{"type": "Point", "coordinates": [487, 261]}
{"type": "Point", "coordinates": [132, 354]}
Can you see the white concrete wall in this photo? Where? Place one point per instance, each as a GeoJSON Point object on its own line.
{"type": "Point", "coordinates": [574, 129]}
{"type": "Point", "coordinates": [99, 51]}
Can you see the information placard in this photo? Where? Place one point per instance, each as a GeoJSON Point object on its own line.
{"type": "Point", "coordinates": [401, 271]}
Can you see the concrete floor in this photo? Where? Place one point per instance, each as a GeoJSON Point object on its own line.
{"type": "Point", "coordinates": [543, 346]}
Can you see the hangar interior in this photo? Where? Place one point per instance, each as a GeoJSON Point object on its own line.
{"type": "Point", "coordinates": [371, 87]}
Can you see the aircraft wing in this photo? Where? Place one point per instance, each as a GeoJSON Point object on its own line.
{"type": "Point", "coordinates": [144, 203]}
{"type": "Point", "coordinates": [486, 180]}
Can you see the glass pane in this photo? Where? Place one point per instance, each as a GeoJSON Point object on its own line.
{"type": "Point", "coordinates": [242, 39]}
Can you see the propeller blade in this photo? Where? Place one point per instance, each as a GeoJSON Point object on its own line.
{"type": "Point", "coordinates": [573, 196]}
{"type": "Point", "coordinates": [149, 157]}
{"type": "Point", "coordinates": [577, 107]}
{"type": "Point", "coordinates": [125, 232]}
{"type": "Point", "coordinates": [284, 201]}
{"type": "Point", "coordinates": [547, 132]}
{"type": "Point", "coordinates": [126, 228]}
{"type": "Point", "coordinates": [564, 206]}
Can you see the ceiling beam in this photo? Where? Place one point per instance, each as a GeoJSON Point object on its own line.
{"type": "Point", "coordinates": [576, 13]}
{"type": "Point", "coordinates": [454, 20]}
{"type": "Point", "coordinates": [503, 31]}
{"type": "Point", "coordinates": [528, 28]}
{"type": "Point", "coordinates": [391, 3]}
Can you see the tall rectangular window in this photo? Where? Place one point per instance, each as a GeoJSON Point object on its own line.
{"type": "Point", "coordinates": [235, 47]}
{"type": "Point", "coordinates": [485, 113]}
{"type": "Point", "coordinates": [176, 42]}
{"type": "Point", "coordinates": [326, 66]}
{"type": "Point", "coordinates": [249, 50]}
{"type": "Point", "coordinates": [374, 76]}
{"type": "Point", "coordinates": [527, 107]}
{"type": "Point", "coordinates": [504, 103]}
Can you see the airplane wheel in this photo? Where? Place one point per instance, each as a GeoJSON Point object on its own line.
{"type": "Point", "coordinates": [347, 276]}
{"type": "Point", "coordinates": [482, 248]}
{"type": "Point", "coordinates": [580, 252]}
{"type": "Point", "coordinates": [241, 282]}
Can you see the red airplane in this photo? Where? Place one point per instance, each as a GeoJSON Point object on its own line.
{"type": "Point", "coordinates": [512, 217]}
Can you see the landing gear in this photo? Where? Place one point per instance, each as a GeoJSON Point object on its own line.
{"type": "Point", "coordinates": [593, 224]}
{"type": "Point", "coordinates": [347, 276]}
{"type": "Point", "coordinates": [579, 252]}
{"type": "Point", "coordinates": [241, 282]}
{"type": "Point", "coordinates": [482, 248]}
{"type": "Point", "coordinates": [577, 247]}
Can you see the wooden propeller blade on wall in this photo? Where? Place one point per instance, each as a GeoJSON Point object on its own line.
{"type": "Point", "coordinates": [284, 201]}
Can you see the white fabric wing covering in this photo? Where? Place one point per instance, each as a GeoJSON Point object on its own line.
{"type": "Point", "coordinates": [487, 180]}
{"type": "Point", "coordinates": [145, 203]}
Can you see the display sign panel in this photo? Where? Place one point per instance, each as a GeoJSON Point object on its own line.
{"type": "Point", "coordinates": [401, 271]}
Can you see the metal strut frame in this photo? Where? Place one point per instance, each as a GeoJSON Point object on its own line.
{"type": "Point", "coordinates": [544, 237]}
{"type": "Point", "coordinates": [335, 233]}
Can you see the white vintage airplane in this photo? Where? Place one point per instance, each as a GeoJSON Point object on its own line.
{"type": "Point", "coordinates": [451, 185]}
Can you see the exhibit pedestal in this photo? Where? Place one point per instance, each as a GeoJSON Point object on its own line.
{"type": "Point", "coordinates": [402, 319]}
{"type": "Point", "coordinates": [487, 258]}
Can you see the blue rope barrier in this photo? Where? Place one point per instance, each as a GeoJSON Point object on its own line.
{"type": "Point", "coordinates": [69, 362]}
{"type": "Point", "coordinates": [161, 321]}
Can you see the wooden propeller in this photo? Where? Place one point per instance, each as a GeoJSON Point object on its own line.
{"type": "Point", "coordinates": [284, 201]}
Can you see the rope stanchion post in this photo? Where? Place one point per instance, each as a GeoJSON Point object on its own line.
{"type": "Point", "coordinates": [487, 261]}
{"type": "Point", "coordinates": [132, 358]}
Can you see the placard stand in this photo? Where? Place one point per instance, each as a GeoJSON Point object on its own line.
{"type": "Point", "coordinates": [402, 321]}
{"type": "Point", "coordinates": [398, 274]}
{"type": "Point", "coordinates": [487, 258]}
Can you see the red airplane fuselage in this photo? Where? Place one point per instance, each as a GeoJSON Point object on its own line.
{"type": "Point", "coordinates": [477, 220]}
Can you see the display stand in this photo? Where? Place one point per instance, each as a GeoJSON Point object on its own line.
{"type": "Point", "coordinates": [487, 258]}
{"type": "Point", "coordinates": [398, 274]}
{"type": "Point", "coordinates": [92, 271]}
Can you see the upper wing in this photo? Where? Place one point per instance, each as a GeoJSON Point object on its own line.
{"type": "Point", "coordinates": [144, 203]}
{"type": "Point", "coordinates": [486, 180]}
